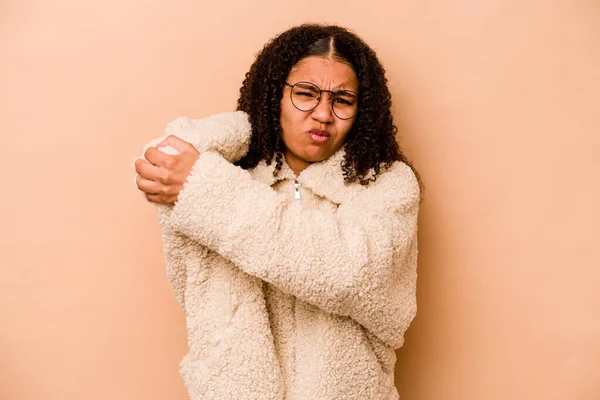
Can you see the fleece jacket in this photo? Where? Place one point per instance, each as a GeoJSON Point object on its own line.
{"type": "Point", "coordinates": [293, 287]}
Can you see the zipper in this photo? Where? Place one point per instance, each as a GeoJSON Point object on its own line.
{"type": "Point", "coordinates": [297, 187]}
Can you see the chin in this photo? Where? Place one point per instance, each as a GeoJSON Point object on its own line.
{"type": "Point", "coordinates": [314, 157]}
{"type": "Point", "coordinates": [314, 153]}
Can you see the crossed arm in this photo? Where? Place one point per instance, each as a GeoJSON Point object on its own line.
{"type": "Point", "coordinates": [359, 261]}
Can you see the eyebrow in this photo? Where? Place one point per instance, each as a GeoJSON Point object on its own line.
{"type": "Point", "coordinates": [345, 92]}
{"type": "Point", "coordinates": [341, 92]}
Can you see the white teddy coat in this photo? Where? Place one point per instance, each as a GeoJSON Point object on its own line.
{"type": "Point", "coordinates": [288, 298]}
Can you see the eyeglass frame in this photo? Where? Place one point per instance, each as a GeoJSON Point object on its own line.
{"type": "Point", "coordinates": [319, 99]}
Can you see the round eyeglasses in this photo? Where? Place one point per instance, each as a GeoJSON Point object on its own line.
{"type": "Point", "coordinates": [306, 96]}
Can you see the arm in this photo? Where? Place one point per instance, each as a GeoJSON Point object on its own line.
{"type": "Point", "coordinates": [359, 261]}
{"type": "Point", "coordinates": [227, 133]}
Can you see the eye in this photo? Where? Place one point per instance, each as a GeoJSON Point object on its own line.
{"type": "Point", "coordinates": [342, 101]}
{"type": "Point", "coordinates": [306, 94]}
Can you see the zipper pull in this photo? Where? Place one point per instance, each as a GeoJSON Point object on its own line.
{"type": "Point", "coordinates": [297, 187]}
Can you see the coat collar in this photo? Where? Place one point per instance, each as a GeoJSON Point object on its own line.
{"type": "Point", "coordinates": [324, 178]}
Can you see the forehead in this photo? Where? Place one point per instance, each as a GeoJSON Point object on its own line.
{"type": "Point", "coordinates": [326, 72]}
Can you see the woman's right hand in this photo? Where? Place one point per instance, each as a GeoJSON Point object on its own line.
{"type": "Point", "coordinates": [161, 176]}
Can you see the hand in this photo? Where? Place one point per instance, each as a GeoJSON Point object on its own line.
{"type": "Point", "coordinates": [162, 176]}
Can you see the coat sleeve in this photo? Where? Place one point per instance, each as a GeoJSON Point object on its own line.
{"type": "Point", "coordinates": [226, 133]}
{"type": "Point", "coordinates": [358, 261]}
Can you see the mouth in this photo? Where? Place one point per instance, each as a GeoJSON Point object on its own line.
{"type": "Point", "coordinates": [318, 135]}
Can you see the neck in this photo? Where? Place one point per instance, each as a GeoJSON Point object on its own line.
{"type": "Point", "coordinates": [296, 164]}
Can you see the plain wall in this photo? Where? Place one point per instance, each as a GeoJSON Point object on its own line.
{"type": "Point", "coordinates": [497, 104]}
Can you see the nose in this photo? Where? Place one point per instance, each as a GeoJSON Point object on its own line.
{"type": "Point", "coordinates": [324, 111]}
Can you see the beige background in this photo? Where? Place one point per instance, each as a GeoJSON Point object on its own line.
{"type": "Point", "coordinates": [498, 106]}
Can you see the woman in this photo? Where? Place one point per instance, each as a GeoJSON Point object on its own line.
{"type": "Point", "coordinates": [290, 227]}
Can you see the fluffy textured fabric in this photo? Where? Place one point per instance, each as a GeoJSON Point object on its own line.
{"type": "Point", "coordinates": [289, 298]}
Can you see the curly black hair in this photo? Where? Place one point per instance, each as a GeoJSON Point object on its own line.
{"type": "Point", "coordinates": [371, 143]}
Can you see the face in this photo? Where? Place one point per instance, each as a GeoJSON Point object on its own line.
{"type": "Point", "coordinates": [315, 135]}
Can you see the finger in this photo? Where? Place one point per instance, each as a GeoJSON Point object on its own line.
{"type": "Point", "coordinates": [152, 187]}
{"type": "Point", "coordinates": [149, 187]}
{"type": "Point", "coordinates": [161, 199]}
{"type": "Point", "coordinates": [177, 143]}
{"type": "Point", "coordinates": [158, 158]}
{"type": "Point", "coordinates": [149, 171]}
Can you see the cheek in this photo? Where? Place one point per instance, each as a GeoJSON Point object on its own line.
{"type": "Point", "coordinates": [343, 129]}
{"type": "Point", "coordinates": [285, 118]}
{"type": "Point", "coordinates": [290, 120]}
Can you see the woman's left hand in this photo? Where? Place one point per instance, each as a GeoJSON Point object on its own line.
{"type": "Point", "coordinates": [162, 176]}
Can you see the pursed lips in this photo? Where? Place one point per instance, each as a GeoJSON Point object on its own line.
{"type": "Point", "coordinates": [318, 135]}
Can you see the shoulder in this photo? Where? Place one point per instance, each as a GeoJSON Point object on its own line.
{"type": "Point", "coordinates": [237, 120]}
{"type": "Point", "coordinates": [395, 187]}
{"type": "Point", "coordinates": [396, 184]}
{"type": "Point", "coordinates": [400, 178]}
{"type": "Point", "coordinates": [228, 133]}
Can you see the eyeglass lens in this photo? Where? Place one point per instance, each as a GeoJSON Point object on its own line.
{"type": "Point", "coordinates": [306, 96]}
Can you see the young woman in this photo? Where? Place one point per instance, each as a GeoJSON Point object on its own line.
{"type": "Point", "coordinates": [290, 227]}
